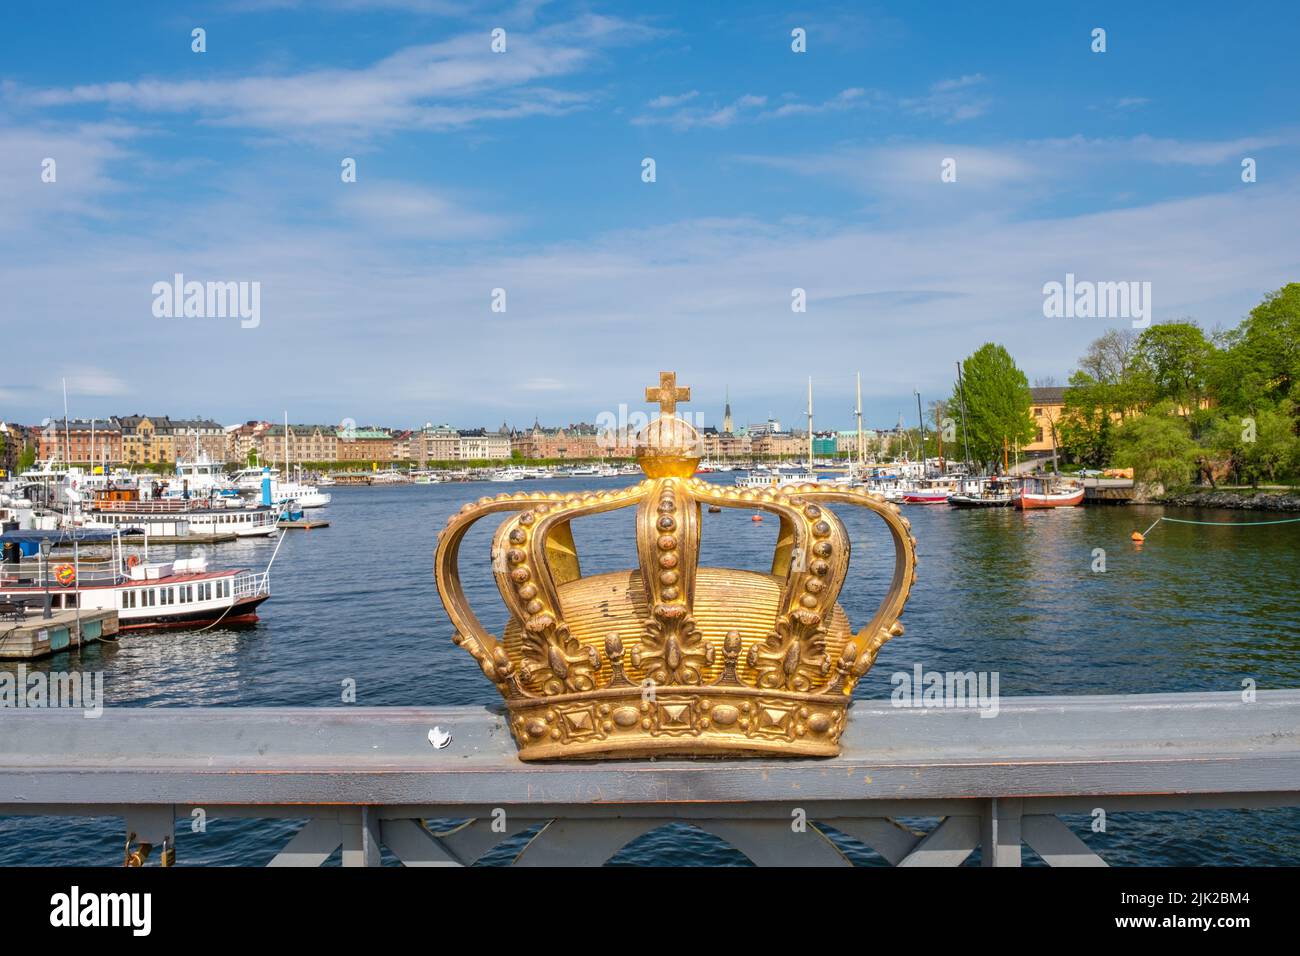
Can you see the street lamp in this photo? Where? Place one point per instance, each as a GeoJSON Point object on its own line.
{"type": "Point", "coordinates": [45, 574]}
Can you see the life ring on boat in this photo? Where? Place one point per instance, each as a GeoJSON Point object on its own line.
{"type": "Point", "coordinates": [132, 560]}
{"type": "Point", "coordinates": [65, 574]}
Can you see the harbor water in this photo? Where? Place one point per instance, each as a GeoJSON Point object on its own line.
{"type": "Point", "coordinates": [1054, 602]}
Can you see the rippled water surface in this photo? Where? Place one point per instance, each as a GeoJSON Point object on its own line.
{"type": "Point", "coordinates": [1196, 608]}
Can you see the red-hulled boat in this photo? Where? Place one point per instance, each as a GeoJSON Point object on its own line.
{"type": "Point", "coordinates": [1047, 493]}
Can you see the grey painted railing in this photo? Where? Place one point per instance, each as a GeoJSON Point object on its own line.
{"type": "Point", "coordinates": [369, 777]}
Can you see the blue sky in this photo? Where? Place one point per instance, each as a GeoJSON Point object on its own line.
{"type": "Point", "coordinates": [522, 170]}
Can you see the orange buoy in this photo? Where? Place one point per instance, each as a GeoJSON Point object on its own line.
{"type": "Point", "coordinates": [1138, 536]}
{"type": "Point", "coordinates": [756, 518]}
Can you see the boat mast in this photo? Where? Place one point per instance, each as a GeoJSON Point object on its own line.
{"type": "Point", "coordinates": [938, 434]}
{"type": "Point", "coordinates": [961, 401]}
{"type": "Point", "coordinates": [862, 459]}
{"type": "Point", "coordinates": [67, 434]}
{"type": "Point", "coordinates": [810, 426]}
{"type": "Point", "coordinates": [921, 420]}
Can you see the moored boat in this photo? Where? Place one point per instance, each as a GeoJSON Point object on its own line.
{"type": "Point", "coordinates": [983, 493]}
{"type": "Point", "coordinates": [1047, 493]}
{"type": "Point", "coordinates": [930, 491]}
{"type": "Point", "coordinates": [145, 594]}
{"type": "Point", "coordinates": [176, 518]}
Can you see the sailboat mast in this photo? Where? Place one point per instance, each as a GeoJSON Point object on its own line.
{"type": "Point", "coordinates": [938, 434]}
{"type": "Point", "coordinates": [810, 426]}
{"type": "Point", "coordinates": [961, 401]}
{"type": "Point", "coordinates": [67, 434]}
{"type": "Point", "coordinates": [921, 420]}
{"type": "Point", "coordinates": [861, 451]}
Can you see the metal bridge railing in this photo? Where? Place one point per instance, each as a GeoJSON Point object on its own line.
{"type": "Point", "coordinates": [368, 778]}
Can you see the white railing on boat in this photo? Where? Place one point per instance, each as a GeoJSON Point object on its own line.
{"type": "Point", "coordinates": [252, 583]}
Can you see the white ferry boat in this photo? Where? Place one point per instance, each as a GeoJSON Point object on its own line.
{"type": "Point", "coordinates": [775, 479]}
{"type": "Point", "coordinates": [99, 575]}
{"type": "Point", "coordinates": [201, 478]}
{"type": "Point", "coordinates": [162, 518]}
{"type": "Point", "coordinates": [249, 480]}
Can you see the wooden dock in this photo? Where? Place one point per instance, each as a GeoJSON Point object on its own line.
{"type": "Point", "coordinates": [37, 636]}
{"type": "Point", "coordinates": [1107, 491]}
{"type": "Point", "coordinates": [181, 539]}
{"type": "Point", "coordinates": [304, 524]}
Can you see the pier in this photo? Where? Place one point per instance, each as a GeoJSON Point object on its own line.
{"type": "Point", "coordinates": [369, 778]}
{"type": "Point", "coordinates": [302, 524]}
{"type": "Point", "coordinates": [26, 636]}
{"type": "Point", "coordinates": [1108, 491]}
{"type": "Point", "coordinates": [180, 538]}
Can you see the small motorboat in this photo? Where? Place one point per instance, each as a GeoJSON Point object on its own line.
{"type": "Point", "coordinates": [1048, 493]}
{"type": "Point", "coordinates": [931, 491]}
{"type": "Point", "coordinates": [983, 493]}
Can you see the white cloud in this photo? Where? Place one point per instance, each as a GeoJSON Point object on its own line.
{"type": "Point", "coordinates": [403, 209]}
{"type": "Point", "coordinates": [442, 85]}
{"type": "Point", "coordinates": [948, 100]}
{"type": "Point", "coordinates": [408, 335]}
{"type": "Point", "coordinates": [951, 100]}
{"type": "Point", "coordinates": [716, 117]}
{"type": "Point", "coordinates": [664, 102]}
{"type": "Point", "coordinates": [84, 156]}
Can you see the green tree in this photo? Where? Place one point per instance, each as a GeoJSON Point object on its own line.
{"type": "Point", "coordinates": [1158, 446]}
{"type": "Point", "coordinates": [1268, 447]}
{"type": "Point", "coordinates": [1173, 360]}
{"type": "Point", "coordinates": [997, 403]}
{"type": "Point", "coordinates": [27, 458]}
{"type": "Point", "coordinates": [1258, 363]}
{"type": "Point", "coordinates": [1087, 429]}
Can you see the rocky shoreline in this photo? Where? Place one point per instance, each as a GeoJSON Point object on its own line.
{"type": "Point", "coordinates": [1238, 501]}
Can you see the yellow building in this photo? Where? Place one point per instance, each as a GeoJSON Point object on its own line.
{"type": "Point", "coordinates": [1046, 408]}
{"type": "Point", "coordinates": [144, 442]}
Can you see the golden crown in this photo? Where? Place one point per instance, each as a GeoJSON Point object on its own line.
{"type": "Point", "coordinates": [670, 658]}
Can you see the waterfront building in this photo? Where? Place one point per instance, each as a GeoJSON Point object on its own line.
{"type": "Point", "coordinates": [479, 444]}
{"type": "Point", "coordinates": [825, 444]}
{"type": "Point", "coordinates": [437, 443]}
{"type": "Point", "coordinates": [243, 440]}
{"type": "Point", "coordinates": [779, 444]}
{"type": "Point", "coordinates": [402, 445]}
{"type": "Point", "coordinates": [195, 438]}
{"type": "Point", "coordinates": [13, 439]}
{"type": "Point", "coordinates": [365, 444]}
{"type": "Point", "coordinates": [722, 445]}
{"type": "Point", "coordinates": [81, 440]}
{"type": "Point", "coordinates": [846, 442]}
{"type": "Point", "coordinates": [305, 443]}
{"type": "Point", "coordinates": [576, 441]}
{"type": "Point", "coordinates": [1047, 407]}
{"type": "Point", "coordinates": [151, 439]}
{"type": "Point", "coordinates": [769, 427]}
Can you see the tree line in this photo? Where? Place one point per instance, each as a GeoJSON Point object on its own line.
{"type": "Point", "coordinates": [1174, 402]}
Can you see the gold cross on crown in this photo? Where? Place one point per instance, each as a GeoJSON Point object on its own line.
{"type": "Point", "coordinates": [667, 394]}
